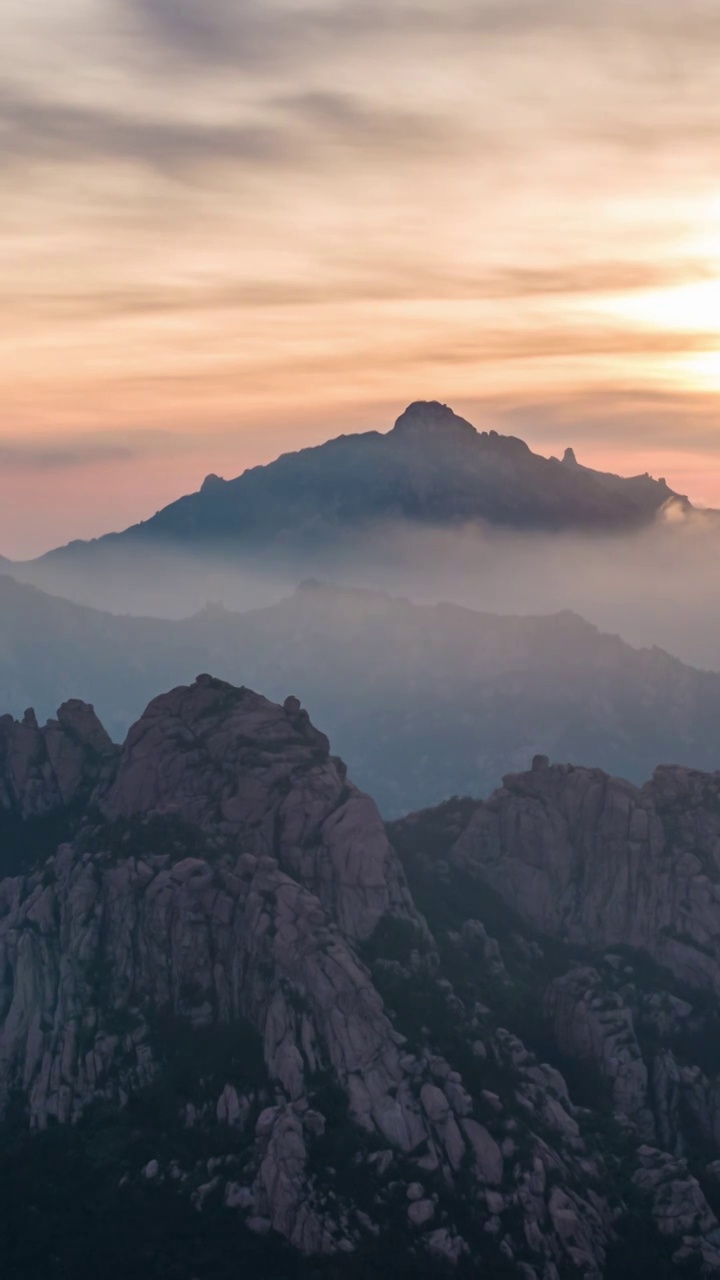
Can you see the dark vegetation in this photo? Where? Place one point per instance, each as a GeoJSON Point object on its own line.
{"type": "Point", "coordinates": [24, 845]}
{"type": "Point", "coordinates": [65, 1216]}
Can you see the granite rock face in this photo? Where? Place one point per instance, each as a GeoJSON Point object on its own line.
{"type": "Point", "coordinates": [587, 910]}
{"type": "Point", "coordinates": [295, 863]}
{"type": "Point", "coordinates": [358, 1030]}
{"type": "Point", "coordinates": [224, 876]}
{"type": "Point", "coordinates": [595, 1026]}
{"type": "Point", "coordinates": [592, 859]}
{"type": "Point", "coordinates": [45, 770]}
{"type": "Point", "coordinates": [229, 761]}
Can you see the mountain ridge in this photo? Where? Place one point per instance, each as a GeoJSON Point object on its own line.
{"type": "Point", "coordinates": [451, 697]}
{"type": "Point", "coordinates": [425, 701]}
{"type": "Point", "coordinates": [432, 467]}
{"type": "Point", "coordinates": [232, 990]}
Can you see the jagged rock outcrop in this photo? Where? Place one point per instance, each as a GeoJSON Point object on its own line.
{"type": "Point", "coordinates": [593, 859]}
{"type": "Point", "coordinates": [546, 884]}
{"type": "Point", "coordinates": [226, 935]}
{"type": "Point", "coordinates": [43, 770]}
{"type": "Point", "coordinates": [593, 1025]}
{"type": "Point", "coordinates": [190, 940]}
{"type": "Point", "coordinates": [223, 876]}
{"type": "Point", "coordinates": [194, 936]}
{"type": "Point", "coordinates": [231, 762]}
{"type": "Point", "coordinates": [679, 1208]}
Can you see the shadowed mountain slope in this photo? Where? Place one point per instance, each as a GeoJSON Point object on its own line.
{"type": "Point", "coordinates": [433, 468]}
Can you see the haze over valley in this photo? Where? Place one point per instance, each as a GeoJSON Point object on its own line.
{"type": "Point", "coordinates": [422, 701]}
{"type": "Point", "coordinates": [433, 510]}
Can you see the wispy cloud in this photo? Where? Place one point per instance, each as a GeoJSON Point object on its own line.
{"type": "Point", "coordinates": [271, 32]}
{"type": "Point", "coordinates": [621, 421]}
{"type": "Point", "coordinates": [295, 131]}
{"type": "Point", "coordinates": [254, 210]}
{"type": "Point", "coordinates": [380, 282]}
{"type": "Point", "coordinates": [36, 129]}
{"type": "Point", "coordinates": [60, 452]}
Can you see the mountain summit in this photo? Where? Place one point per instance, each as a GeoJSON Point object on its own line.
{"type": "Point", "coordinates": [426, 418]}
{"type": "Point", "coordinates": [433, 469]}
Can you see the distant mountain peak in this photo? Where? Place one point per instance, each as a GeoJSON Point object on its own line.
{"type": "Point", "coordinates": [430, 417]}
{"type": "Point", "coordinates": [569, 459]}
{"type": "Point", "coordinates": [432, 468]}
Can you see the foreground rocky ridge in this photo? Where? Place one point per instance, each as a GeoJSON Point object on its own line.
{"type": "Point", "coordinates": [223, 977]}
{"type": "Point", "coordinates": [592, 859]}
{"type": "Point", "coordinates": [45, 770]}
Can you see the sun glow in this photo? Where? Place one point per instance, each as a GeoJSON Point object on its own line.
{"type": "Point", "coordinates": [703, 370]}
{"type": "Point", "coordinates": [689, 315]}
{"type": "Point", "coordinates": [692, 308]}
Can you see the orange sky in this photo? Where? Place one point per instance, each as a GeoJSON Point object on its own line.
{"type": "Point", "coordinates": [235, 228]}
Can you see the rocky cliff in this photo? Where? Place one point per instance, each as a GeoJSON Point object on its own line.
{"type": "Point", "coordinates": [606, 898]}
{"type": "Point", "coordinates": [592, 859]}
{"type": "Point", "coordinates": [45, 770]}
{"type": "Point", "coordinates": [229, 1000]}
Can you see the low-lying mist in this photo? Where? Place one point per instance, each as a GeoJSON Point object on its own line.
{"type": "Point", "coordinates": [660, 586]}
{"type": "Point", "coordinates": [444, 661]}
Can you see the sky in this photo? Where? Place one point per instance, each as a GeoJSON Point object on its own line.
{"type": "Point", "coordinates": [231, 228]}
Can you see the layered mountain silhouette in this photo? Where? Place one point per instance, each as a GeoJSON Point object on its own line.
{"type": "Point", "coordinates": [246, 1029]}
{"type": "Point", "coordinates": [432, 468]}
{"type": "Point", "coordinates": [424, 701]}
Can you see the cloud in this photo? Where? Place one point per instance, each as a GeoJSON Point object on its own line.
{"type": "Point", "coordinates": [32, 128]}
{"type": "Point", "coordinates": [262, 34]}
{"type": "Point", "coordinates": [295, 118]}
{"type": "Point", "coordinates": [61, 453]}
{"type": "Point", "coordinates": [295, 130]}
{"type": "Point", "coordinates": [380, 280]}
{"type": "Point", "coordinates": [377, 124]}
{"type": "Point", "coordinates": [496, 345]}
{"type": "Point", "coordinates": [621, 419]}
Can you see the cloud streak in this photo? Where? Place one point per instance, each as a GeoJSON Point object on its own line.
{"type": "Point", "coordinates": [297, 131]}
{"type": "Point", "coordinates": [380, 283]}
{"type": "Point", "coordinates": [37, 129]}
{"type": "Point", "coordinates": [70, 452]}
{"type": "Point", "coordinates": [275, 212]}
{"type": "Point", "coordinates": [265, 33]}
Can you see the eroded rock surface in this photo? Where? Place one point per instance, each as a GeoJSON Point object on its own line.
{"type": "Point", "coordinates": [43, 770]}
{"type": "Point", "coordinates": [592, 859]}
{"type": "Point", "coordinates": [430, 1038]}
{"type": "Point", "coordinates": [230, 761]}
